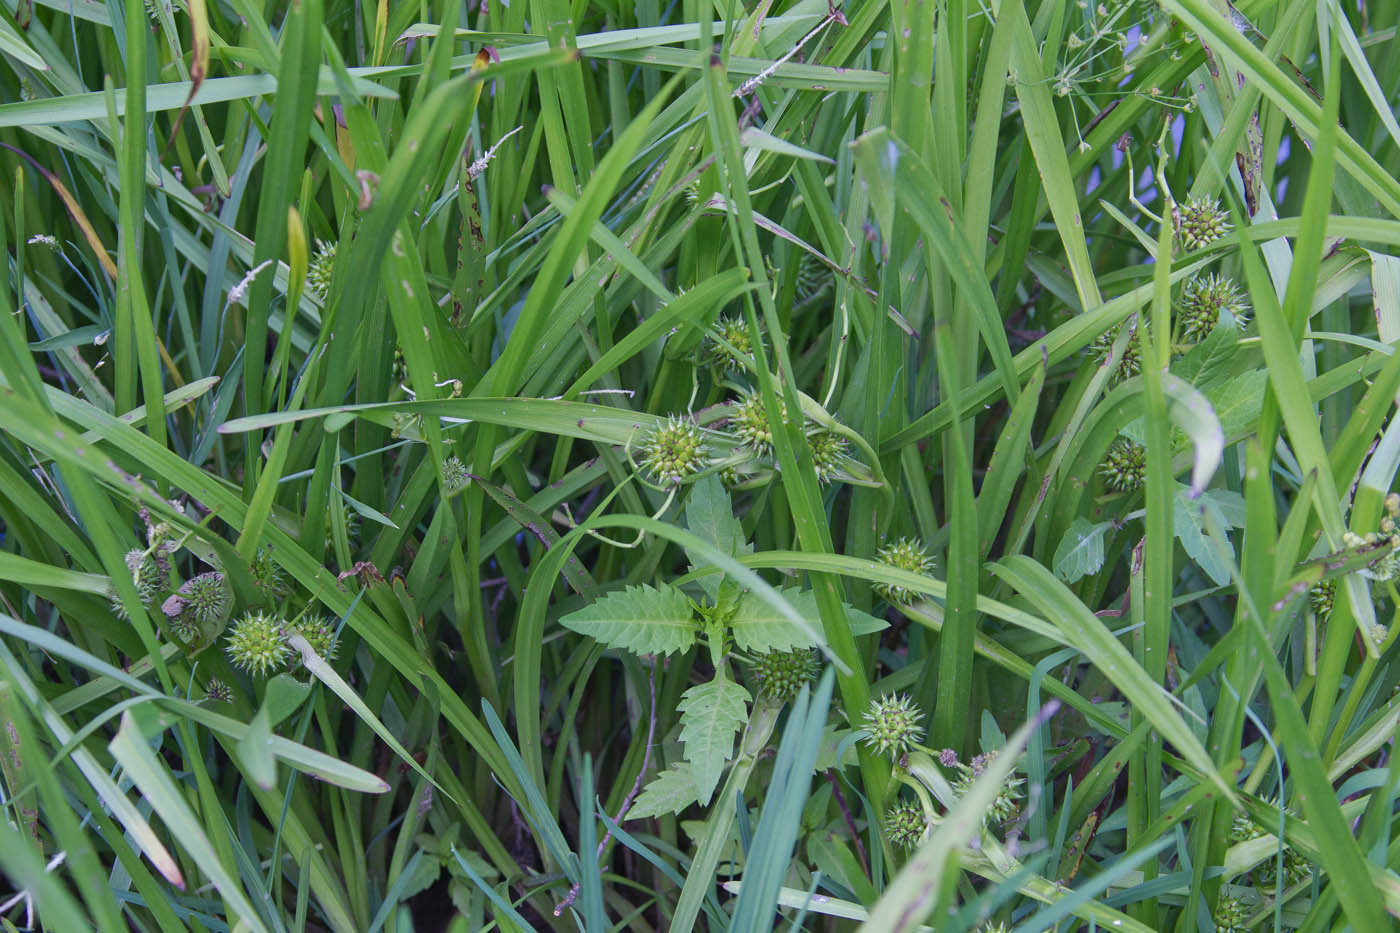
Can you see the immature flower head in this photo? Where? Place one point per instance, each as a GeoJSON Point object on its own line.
{"type": "Point", "coordinates": [318, 274]}
{"type": "Point", "coordinates": [893, 725]}
{"type": "Point", "coordinates": [218, 691]}
{"type": "Point", "coordinates": [674, 451]}
{"type": "Point", "coordinates": [1200, 221]}
{"type": "Point", "coordinates": [1296, 868]}
{"type": "Point", "coordinates": [734, 345]}
{"type": "Point", "coordinates": [351, 524]}
{"type": "Point", "coordinates": [749, 423]}
{"type": "Point", "coordinates": [150, 574]}
{"type": "Point", "coordinates": [1008, 800]}
{"type": "Point", "coordinates": [781, 674]}
{"type": "Point", "coordinates": [1124, 466]}
{"type": "Point", "coordinates": [1207, 300]}
{"type": "Point", "coordinates": [267, 576]}
{"type": "Point", "coordinates": [1130, 364]}
{"type": "Point", "coordinates": [454, 475]}
{"type": "Point", "coordinates": [201, 602]}
{"type": "Point", "coordinates": [1320, 597]}
{"type": "Point", "coordinates": [1231, 915]}
{"type": "Point", "coordinates": [813, 278]}
{"type": "Point", "coordinates": [827, 448]}
{"type": "Point", "coordinates": [319, 633]}
{"type": "Point", "coordinates": [257, 645]}
{"type": "Point", "coordinates": [905, 824]}
{"type": "Point", "coordinates": [903, 554]}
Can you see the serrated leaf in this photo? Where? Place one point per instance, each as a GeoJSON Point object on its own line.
{"type": "Point", "coordinates": [710, 515]}
{"type": "Point", "coordinates": [640, 619]}
{"type": "Point", "coordinates": [669, 792]}
{"type": "Point", "coordinates": [1238, 401]}
{"type": "Point", "coordinates": [711, 714]}
{"type": "Point", "coordinates": [1081, 550]}
{"type": "Point", "coordinates": [1214, 555]}
{"type": "Point", "coordinates": [757, 626]}
{"type": "Point", "coordinates": [1207, 364]}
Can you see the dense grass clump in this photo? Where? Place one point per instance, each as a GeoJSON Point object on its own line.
{"type": "Point", "coordinates": [699, 466]}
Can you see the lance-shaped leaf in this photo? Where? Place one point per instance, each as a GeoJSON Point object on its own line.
{"type": "Point", "coordinates": [639, 619]}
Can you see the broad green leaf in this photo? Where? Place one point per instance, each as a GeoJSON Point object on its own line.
{"type": "Point", "coordinates": [640, 619]}
{"type": "Point", "coordinates": [711, 715]}
{"type": "Point", "coordinates": [1213, 553]}
{"type": "Point", "coordinates": [1238, 401]}
{"type": "Point", "coordinates": [1207, 364]}
{"type": "Point", "coordinates": [1081, 550]}
{"type": "Point", "coordinates": [757, 626]}
{"type": "Point", "coordinates": [710, 514]}
{"type": "Point", "coordinates": [669, 792]}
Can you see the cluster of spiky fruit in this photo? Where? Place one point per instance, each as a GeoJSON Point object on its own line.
{"type": "Point", "coordinates": [1296, 867]}
{"type": "Point", "coordinates": [202, 603]}
{"type": "Point", "coordinates": [1230, 915]}
{"type": "Point", "coordinates": [1200, 222]}
{"type": "Point", "coordinates": [674, 451]}
{"type": "Point", "coordinates": [1008, 800]}
{"type": "Point", "coordinates": [782, 674]}
{"type": "Point", "coordinates": [827, 449]}
{"type": "Point", "coordinates": [1124, 466]}
{"type": "Point", "coordinates": [258, 643]}
{"type": "Point", "coordinates": [732, 344]}
{"type": "Point", "coordinates": [893, 725]}
{"type": "Point", "coordinates": [1208, 300]}
{"type": "Point", "coordinates": [1131, 362]}
{"type": "Point", "coordinates": [749, 423]}
{"type": "Point", "coordinates": [906, 554]}
{"type": "Point", "coordinates": [905, 824]}
{"type": "Point", "coordinates": [318, 274]}
{"type": "Point", "coordinates": [454, 475]}
{"type": "Point", "coordinates": [150, 574]}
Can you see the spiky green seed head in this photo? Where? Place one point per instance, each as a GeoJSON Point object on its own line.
{"type": "Point", "coordinates": [319, 633]}
{"type": "Point", "coordinates": [813, 278]}
{"type": "Point", "coordinates": [1231, 915]}
{"type": "Point", "coordinates": [1200, 221]}
{"type": "Point", "coordinates": [1124, 466]}
{"type": "Point", "coordinates": [893, 725]}
{"type": "Point", "coordinates": [201, 602]}
{"type": "Point", "coordinates": [257, 644]}
{"type": "Point", "coordinates": [1321, 596]}
{"type": "Point", "coordinates": [781, 674]}
{"type": "Point", "coordinates": [351, 523]}
{"type": "Point", "coordinates": [903, 554]}
{"type": "Point", "coordinates": [735, 343]}
{"type": "Point", "coordinates": [1208, 300]}
{"type": "Point", "coordinates": [1131, 362]}
{"type": "Point", "coordinates": [1243, 829]}
{"type": "Point", "coordinates": [454, 475]}
{"type": "Point", "coordinates": [218, 691]}
{"type": "Point", "coordinates": [749, 423]}
{"type": "Point", "coordinates": [1008, 800]}
{"type": "Point", "coordinates": [150, 575]}
{"type": "Point", "coordinates": [994, 928]}
{"type": "Point", "coordinates": [1392, 504]}
{"type": "Point", "coordinates": [674, 451]}
{"type": "Point", "coordinates": [318, 274]}
{"type": "Point", "coordinates": [827, 449]}
{"type": "Point", "coordinates": [905, 825]}
{"type": "Point", "coordinates": [268, 576]}
{"type": "Point", "coordinates": [1296, 868]}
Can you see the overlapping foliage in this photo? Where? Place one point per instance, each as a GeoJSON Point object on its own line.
{"type": "Point", "coordinates": [644, 466]}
